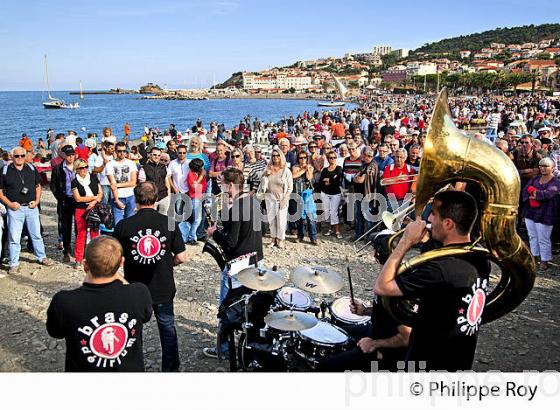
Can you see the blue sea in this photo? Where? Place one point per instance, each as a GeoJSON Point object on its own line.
{"type": "Point", "coordinates": [23, 112]}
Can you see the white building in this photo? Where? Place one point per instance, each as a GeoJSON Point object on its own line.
{"type": "Point", "coordinates": [401, 52]}
{"type": "Point", "coordinates": [282, 81]}
{"type": "Point", "coordinates": [381, 50]}
{"type": "Point", "coordinates": [418, 68]}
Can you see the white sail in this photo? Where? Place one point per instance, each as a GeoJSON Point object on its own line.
{"type": "Point", "coordinates": [81, 91]}
{"type": "Point", "coordinates": [342, 90]}
{"type": "Point", "coordinates": [47, 78]}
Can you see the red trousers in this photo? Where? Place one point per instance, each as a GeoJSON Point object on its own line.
{"type": "Point", "coordinates": [81, 234]}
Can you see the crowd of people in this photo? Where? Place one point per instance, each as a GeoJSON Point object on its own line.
{"type": "Point", "coordinates": [119, 187]}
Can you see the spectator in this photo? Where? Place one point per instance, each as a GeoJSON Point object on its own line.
{"type": "Point", "coordinates": [87, 193]}
{"type": "Point", "coordinates": [540, 196]}
{"type": "Point", "coordinates": [276, 186]}
{"type": "Point", "coordinates": [20, 192]}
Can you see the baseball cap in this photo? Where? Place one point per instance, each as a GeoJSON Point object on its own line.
{"type": "Point", "coordinates": [68, 150]}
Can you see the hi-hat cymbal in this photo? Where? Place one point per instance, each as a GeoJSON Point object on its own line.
{"type": "Point", "coordinates": [290, 321]}
{"type": "Point", "coordinates": [317, 279]}
{"type": "Point", "coordinates": [261, 279]}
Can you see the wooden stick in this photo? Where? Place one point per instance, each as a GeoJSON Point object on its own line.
{"type": "Point", "coordinates": [350, 280]}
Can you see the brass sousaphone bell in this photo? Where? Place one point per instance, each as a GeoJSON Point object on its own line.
{"type": "Point", "coordinates": [449, 156]}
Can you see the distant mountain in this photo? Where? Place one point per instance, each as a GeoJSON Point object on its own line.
{"type": "Point", "coordinates": [476, 41]}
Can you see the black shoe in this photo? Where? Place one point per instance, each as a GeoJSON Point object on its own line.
{"type": "Point", "coordinates": [212, 353]}
{"type": "Point", "coordinates": [202, 238]}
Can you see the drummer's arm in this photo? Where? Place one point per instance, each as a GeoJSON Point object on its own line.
{"type": "Point", "coordinates": [398, 340]}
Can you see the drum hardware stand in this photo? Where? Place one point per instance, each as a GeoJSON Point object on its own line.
{"type": "Point", "coordinates": [324, 306]}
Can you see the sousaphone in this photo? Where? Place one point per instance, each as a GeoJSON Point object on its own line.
{"type": "Point", "coordinates": [449, 156]}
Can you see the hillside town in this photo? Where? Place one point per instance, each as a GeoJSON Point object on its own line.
{"type": "Point", "coordinates": [360, 70]}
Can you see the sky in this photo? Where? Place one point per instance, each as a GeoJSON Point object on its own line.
{"type": "Point", "coordinates": [187, 44]}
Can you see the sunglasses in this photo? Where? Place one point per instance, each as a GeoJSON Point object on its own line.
{"type": "Point", "coordinates": [275, 155]}
{"type": "Point", "coordinates": [19, 155]}
{"type": "Point", "coordinates": [182, 153]}
{"type": "Point", "coordinates": [236, 156]}
{"type": "Point", "coordinates": [302, 158]}
{"type": "Point", "coordinates": [526, 142]}
{"type": "Point", "coordinates": [77, 169]}
{"type": "Point", "coordinates": [332, 157]}
{"type": "Point", "coordinates": [312, 146]}
{"type": "Point", "coordinates": [122, 151]}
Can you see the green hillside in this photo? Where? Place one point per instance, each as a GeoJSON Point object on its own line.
{"type": "Point", "coordinates": [476, 41]}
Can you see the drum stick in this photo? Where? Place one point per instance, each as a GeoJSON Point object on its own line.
{"type": "Point", "coordinates": [350, 281]}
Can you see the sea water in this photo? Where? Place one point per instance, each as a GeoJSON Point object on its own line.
{"type": "Point", "coordinates": [23, 111]}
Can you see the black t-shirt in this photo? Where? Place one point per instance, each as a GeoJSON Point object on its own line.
{"type": "Point", "coordinates": [149, 249]}
{"type": "Point", "coordinates": [93, 185]}
{"type": "Point", "coordinates": [384, 326]}
{"type": "Point", "coordinates": [14, 181]}
{"type": "Point", "coordinates": [335, 178]}
{"type": "Point", "coordinates": [102, 325]}
{"type": "Point", "coordinates": [452, 295]}
{"type": "Point", "coordinates": [242, 232]}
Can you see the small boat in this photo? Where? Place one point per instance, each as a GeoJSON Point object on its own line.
{"type": "Point", "coordinates": [342, 90]}
{"type": "Point", "coordinates": [332, 104]}
{"type": "Point", "coordinates": [52, 102]}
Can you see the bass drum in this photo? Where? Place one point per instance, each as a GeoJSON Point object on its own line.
{"type": "Point", "coordinates": [257, 354]}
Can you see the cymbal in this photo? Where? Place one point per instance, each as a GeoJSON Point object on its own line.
{"type": "Point", "coordinates": [261, 279]}
{"type": "Point", "coordinates": [290, 321]}
{"type": "Point", "coordinates": [317, 279]}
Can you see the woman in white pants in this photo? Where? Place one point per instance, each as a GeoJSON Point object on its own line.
{"type": "Point", "coordinates": [540, 211]}
{"type": "Point", "coordinates": [276, 186]}
{"type": "Point", "coordinates": [330, 182]}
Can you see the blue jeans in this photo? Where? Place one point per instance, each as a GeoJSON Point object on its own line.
{"type": "Point", "coordinates": [359, 220]}
{"type": "Point", "coordinates": [311, 228]}
{"type": "Point", "coordinates": [107, 194]}
{"type": "Point", "coordinates": [16, 220]}
{"type": "Point", "coordinates": [189, 230]}
{"type": "Point", "coordinates": [224, 289]}
{"type": "Point", "coordinates": [165, 318]}
{"type": "Point", "coordinates": [129, 208]}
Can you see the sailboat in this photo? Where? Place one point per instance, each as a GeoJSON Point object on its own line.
{"type": "Point", "coordinates": [55, 102]}
{"type": "Point", "coordinates": [81, 91]}
{"type": "Point", "coordinates": [342, 90]}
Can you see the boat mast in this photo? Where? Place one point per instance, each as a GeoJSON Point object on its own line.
{"type": "Point", "coordinates": [47, 77]}
{"type": "Point", "coordinates": [81, 91]}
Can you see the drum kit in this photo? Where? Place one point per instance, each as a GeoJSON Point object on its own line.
{"type": "Point", "coordinates": [296, 334]}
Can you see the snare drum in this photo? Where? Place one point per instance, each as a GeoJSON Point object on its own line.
{"type": "Point", "coordinates": [288, 296]}
{"type": "Point", "coordinates": [320, 342]}
{"type": "Point", "coordinates": [341, 314]}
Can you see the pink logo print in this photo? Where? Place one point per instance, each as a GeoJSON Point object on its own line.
{"type": "Point", "coordinates": [476, 307]}
{"type": "Point", "coordinates": [149, 246]}
{"type": "Point", "coordinates": [109, 340]}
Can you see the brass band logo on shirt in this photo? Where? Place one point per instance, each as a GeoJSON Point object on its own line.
{"type": "Point", "coordinates": [107, 342]}
{"type": "Point", "coordinates": [469, 318]}
{"type": "Point", "coordinates": [149, 246]}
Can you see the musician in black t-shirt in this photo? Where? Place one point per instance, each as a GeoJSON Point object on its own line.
{"type": "Point", "coordinates": [151, 250]}
{"type": "Point", "coordinates": [451, 290]}
{"type": "Point", "coordinates": [384, 345]}
{"type": "Point", "coordinates": [240, 236]}
{"type": "Point", "coordinates": [102, 320]}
